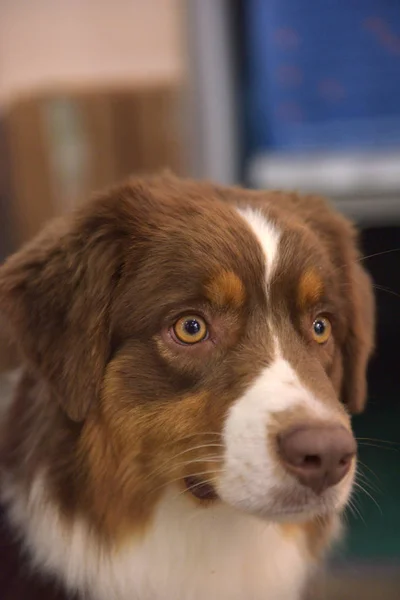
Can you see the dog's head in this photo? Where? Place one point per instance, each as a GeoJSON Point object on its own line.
{"type": "Point", "coordinates": [207, 338]}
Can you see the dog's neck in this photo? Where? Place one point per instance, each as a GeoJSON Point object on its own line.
{"type": "Point", "coordinates": [186, 552]}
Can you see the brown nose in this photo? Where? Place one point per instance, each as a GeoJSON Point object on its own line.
{"type": "Point", "coordinates": [319, 456]}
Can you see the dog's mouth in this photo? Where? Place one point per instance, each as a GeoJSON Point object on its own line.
{"type": "Point", "coordinates": [202, 490]}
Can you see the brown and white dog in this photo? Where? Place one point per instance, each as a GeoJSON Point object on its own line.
{"type": "Point", "coordinates": [182, 430]}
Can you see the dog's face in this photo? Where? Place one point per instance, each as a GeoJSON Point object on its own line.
{"type": "Point", "coordinates": [205, 338]}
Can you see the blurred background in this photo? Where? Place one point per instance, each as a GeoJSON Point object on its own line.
{"type": "Point", "coordinates": [266, 93]}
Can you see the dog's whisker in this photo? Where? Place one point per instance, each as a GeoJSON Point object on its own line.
{"type": "Point", "coordinates": [363, 479]}
{"type": "Point", "coordinates": [381, 447]}
{"type": "Point", "coordinates": [169, 482]}
{"type": "Point", "coordinates": [212, 480]}
{"type": "Point", "coordinates": [375, 254]}
{"type": "Point", "coordinates": [165, 468]}
{"type": "Point", "coordinates": [206, 434]}
{"type": "Point", "coordinates": [363, 465]}
{"type": "Point", "coordinates": [373, 486]}
{"type": "Point", "coordinates": [194, 435]}
{"type": "Point", "coordinates": [211, 458]}
{"type": "Point", "coordinates": [368, 439]}
{"type": "Point", "coordinates": [355, 511]}
{"type": "Point", "coordinates": [376, 286]}
{"type": "Point", "coordinates": [386, 289]}
{"type": "Point", "coordinates": [362, 489]}
{"type": "Point", "coordinates": [345, 515]}
{"type": "Point", "coordinates": [349, 509]}
{"type": "Point", "coordinates": [161, 468]}
{"type": "Point", "coordinates": [363, 258]}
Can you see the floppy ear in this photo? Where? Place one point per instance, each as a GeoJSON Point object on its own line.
{"type": "Point", "coordinates": [359, 342]}
{"type": "Point", "coordinates": [56, 294]}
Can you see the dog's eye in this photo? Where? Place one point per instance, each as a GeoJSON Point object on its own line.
{"type": "Point", "coordinates": [321, 330]}
{"type": "Point", "coordinates": [190, 329]}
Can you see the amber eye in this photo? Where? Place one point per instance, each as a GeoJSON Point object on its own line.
{"type": "Point", "coordinates": [190, 329]}
{"type": "Point", "coordinates": [321, 330]}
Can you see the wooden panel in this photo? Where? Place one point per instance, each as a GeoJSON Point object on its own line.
{"type": "Point", "coordinates": [6, 242]}
{"type": "Point", "coordinates": [117, 133]}
{"type": "Point", "coordinates": [31, 184]}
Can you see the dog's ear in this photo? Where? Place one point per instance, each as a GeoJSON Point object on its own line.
{"type": "Point", "coordinates": [56, 294]}
{"type": "Point", "coordinates": [359, 342]}
{"type": "Point", "coordinates": [359, 309]}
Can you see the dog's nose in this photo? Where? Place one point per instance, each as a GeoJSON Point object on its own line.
{"type": "Point", "coordinates": [319, 457]}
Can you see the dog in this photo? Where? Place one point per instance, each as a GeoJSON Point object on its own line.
{"type": "Point", "coordinates": [181, 430]}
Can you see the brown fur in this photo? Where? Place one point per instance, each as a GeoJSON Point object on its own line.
{"type": "Point", "coordinates": [317, 534]}
{"type": "Point", "coordinates": [225, 289]}
{"type": "Point", "coordinates": [310, 289]}
{"type": "Point", "coordinates": [109, 404]}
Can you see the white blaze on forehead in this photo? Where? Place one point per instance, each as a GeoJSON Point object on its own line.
{"type": "Point", "coordinates": [267, 234]}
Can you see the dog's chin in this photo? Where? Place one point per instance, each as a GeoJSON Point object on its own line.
{"type": "Point", "coordinates": [291, 506]}
{"type": "Point", "coordinates": [285, 505]}
{"type": "Point", "coordinates": [293, 514]}
{"type": "Point", "coordinates": [296, 514]}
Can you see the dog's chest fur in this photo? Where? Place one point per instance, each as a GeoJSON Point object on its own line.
{"type": "Point", "coordinates": [185, 554]}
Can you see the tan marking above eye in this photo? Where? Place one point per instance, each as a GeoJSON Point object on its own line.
{"type": "Point", "coordinates": [321, 330]}
{"type": "Point", "coordinates": [310, 289]}
{"type": "Point", "coordinates": [226, 288]}
{"type": "Point", "coordinates": [190, 329]}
